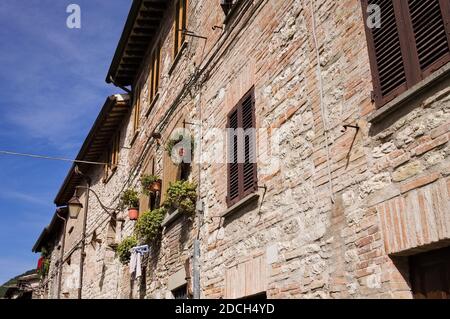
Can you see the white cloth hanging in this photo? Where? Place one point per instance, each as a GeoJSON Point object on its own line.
{"type": "Point", "coordinates": [136, 260]}
{"type": "Point", "coordinates": [136, 264]}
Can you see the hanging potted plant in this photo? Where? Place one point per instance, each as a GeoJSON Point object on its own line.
{"type": "Point", "coordinates": [43, 265]}
{"type": "Point", "coordinates": [123, 249]}
{"type": "Point", "coordinates": [149, 224]}
{"type": "Point", "coordinates": [151, 184]}
{"type": "Point", "coordinates": [180, 147]}
{"type": "Point", "coordinates": [182, 195]}
{"type": "Point", "coordinates": [130, 199]}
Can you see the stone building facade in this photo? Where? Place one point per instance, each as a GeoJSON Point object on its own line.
{"type": "Point", "coordinates": [351, 196]}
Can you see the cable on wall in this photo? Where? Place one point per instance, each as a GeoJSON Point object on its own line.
{"type": "Point", "coordinates": [322, 104]}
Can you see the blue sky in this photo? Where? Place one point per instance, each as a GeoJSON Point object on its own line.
{"type": "Point", "coordinates": [51, 90]}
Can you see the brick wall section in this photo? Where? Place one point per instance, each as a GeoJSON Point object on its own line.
{"type": "Point", "coordinates": [318, 239]}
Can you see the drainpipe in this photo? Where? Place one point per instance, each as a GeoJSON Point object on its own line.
{"type": "Point", "coordinates": [61, 261]}
{"type": "Point", "coordinates": [83, 242]}
{"type": "Point", "coordinates": [196, 269]}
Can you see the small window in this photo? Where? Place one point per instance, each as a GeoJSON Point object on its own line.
{"type": "Point", "coordinates": [242, 169]}
{"type": "Point", "coordinates": [180, 25]}
{"type": "Point", "coordinates": [411, 42]}
{"type": "Point", "coordinates": [154, 76]}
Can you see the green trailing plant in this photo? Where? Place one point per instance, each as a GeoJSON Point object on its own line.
{"type": "Point", "coordinates": [43, 270]}
{"type": "Point", "coordinates": [148, 225]}
{"type": "Point", "coordinates": [148, 182]}
{"type": "Point", "coordinates": [182, 195]}
{"type": "Point", "coordinates": [123, 249]}
{"type": "Point", "coordinates": [129, 199]}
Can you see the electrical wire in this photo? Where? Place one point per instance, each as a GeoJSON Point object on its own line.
{"type": "Point", "coordinates": [50, 158]}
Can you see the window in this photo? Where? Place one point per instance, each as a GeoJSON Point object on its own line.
{"type": "Point", "coordinates": [180, 24]}
{"type": "Point", "coordinates": [412, 42]}
{"type": "Point", "coordinates": [154, 75]}
{"type": "Point", "coordinates": [149, 201]}
{"type": "Point", "coordinates": [112, 157]}
{"type": "Point", "coordinates": [137, 110]}
{"type": "Point", "coordinates": [242, 170]}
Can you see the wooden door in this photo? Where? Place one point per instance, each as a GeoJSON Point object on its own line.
{"type": "Point", "coordinates": [430, 274]}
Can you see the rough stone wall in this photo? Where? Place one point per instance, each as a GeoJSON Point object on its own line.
{"type": "Point", "coordinates": [320, 244]}
{"type": "Point", "coordinates": [324, 227]}
{"type": "Point", "coordinates": [51, 289]}
{"type": "Point", "coordinates": [104, 274]}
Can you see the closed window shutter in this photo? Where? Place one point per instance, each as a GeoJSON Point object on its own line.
{"type": "Point", "coordinates": [387, 61]}
{"type": "Point", "coordinates": [233, 166]}
{"type": "Point", "coordinates": [431, 36]}
{"type": "Point", "coordinates": [242, 169]}
{"type": "Point", "coordinates": [249, 166]}
{"type": "Point", "coordinates": [412, 42]}
{"type": "Point", "coordinates": [144, 202]}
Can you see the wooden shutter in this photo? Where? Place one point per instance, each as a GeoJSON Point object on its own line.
{"type": "Point", "coordinates": [156, 67]}
{"type": "Point", "coordinates": [153, 83]}
{"type": "Point", "coordinates": [242, 172]}
{"type": "Point", "coordinates": [386, 58]}
{"type": "Point", "coordinates": [180, 24]}
{"type": "Point", "coordinates": [430, 33]}
{"type": "Point", "coordinates": [144, 202]}
{"type": "Point", "coordinates": [137, 109]}
{"type": "Point", "coordinates": [116, 150]}
{"type": "Point", "coordinates": [249, 179]}
{"type": "Point", "coordinates": [171, 170]}
{"type": "Point", "coordinates": [233, 166]}
{"type": "Point", "coordinates": [412, 42]}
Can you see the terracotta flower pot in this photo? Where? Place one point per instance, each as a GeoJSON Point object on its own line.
{"type": "Point", "coordinates": [133, 213]}
{"type": "Point", "coordinates": [155, 186]}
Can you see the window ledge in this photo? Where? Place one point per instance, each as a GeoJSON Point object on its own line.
{"type": "Point", "coordinates": [413, 92]}
{"type": "Point", "coordinates": [242, 203]}
{"type": "Point", "coordinates": [134, 137]}
{"type": "Point", "coordinates": [178, 57]}
{"type": "Point", "coordinates": [152, 104]}
{"type": "Point", "coordinates": [171, 217]}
